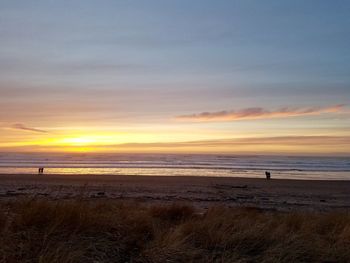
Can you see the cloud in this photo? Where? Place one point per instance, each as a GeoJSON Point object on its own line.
{"type": "Point", "coordinates": [259, 113]}
{"type": "Point", "coordinates": [277, 140]}
{"type": "Point", "coordinates": [305, 145]}
{"type": "Point", "coordinates": [20, 126]}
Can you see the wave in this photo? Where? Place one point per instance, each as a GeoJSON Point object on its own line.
{"type": "Point", "coordinates": [176, 161]}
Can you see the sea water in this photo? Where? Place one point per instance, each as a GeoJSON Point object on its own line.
{"type": "Point", "coordinates": [254, 166]}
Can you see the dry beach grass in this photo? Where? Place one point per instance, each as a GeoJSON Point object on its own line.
{"type": "Point", "coordinates": [38, 230]}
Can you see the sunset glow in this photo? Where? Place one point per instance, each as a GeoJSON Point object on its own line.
{"type": "Point", "coordinates": [227, 77]}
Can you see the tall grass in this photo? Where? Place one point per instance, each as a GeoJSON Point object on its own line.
{"type": "Point", "coordinates": [67, 231]}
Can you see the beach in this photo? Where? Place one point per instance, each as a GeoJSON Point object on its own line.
{"type": "Point", "coordinates": [201, 192]}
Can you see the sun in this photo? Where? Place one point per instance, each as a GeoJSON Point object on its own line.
{"type": "Point", "coordinates": [79, 141]}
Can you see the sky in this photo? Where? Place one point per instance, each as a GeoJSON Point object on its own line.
{"type": "Point", "coordinates": [269, 77]}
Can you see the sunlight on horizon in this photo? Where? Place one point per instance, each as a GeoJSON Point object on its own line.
{"type": "Point", "coordinates": [164, 143]}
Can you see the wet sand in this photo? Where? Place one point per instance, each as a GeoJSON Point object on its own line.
{"type": "Point", "coordinates": [202, 192]}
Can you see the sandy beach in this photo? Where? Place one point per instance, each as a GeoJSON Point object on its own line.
{"type": "Point", "coordinates": [202, 192]}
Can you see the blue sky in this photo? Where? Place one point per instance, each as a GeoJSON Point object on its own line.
{"type": "Point", "coordinates": [150, 61]}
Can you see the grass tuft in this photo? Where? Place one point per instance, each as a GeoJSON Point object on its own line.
{"type": "Point", "coordinates": [111, 231]}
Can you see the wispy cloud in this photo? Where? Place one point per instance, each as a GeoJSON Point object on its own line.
{"type": "Point", "coordinates": [313, 145]}
{"type": "Point", "coordinates": [278, 140]}
{"type": "Point", "coordinates": [259, 113]}
{"type": "Point", "coordinates": [20, 126]}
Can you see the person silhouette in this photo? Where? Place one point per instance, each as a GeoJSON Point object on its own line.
{"type": "Point", "coordinates": [268, 175]}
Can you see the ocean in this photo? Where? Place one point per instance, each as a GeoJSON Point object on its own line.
{"type": "Point", "coordinates": [254, 166]}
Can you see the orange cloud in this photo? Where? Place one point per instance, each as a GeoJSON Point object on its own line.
{"type": "Point", "coordinates": [308, 145]}
{"type": "Point", "coordinates": [259, 113]}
